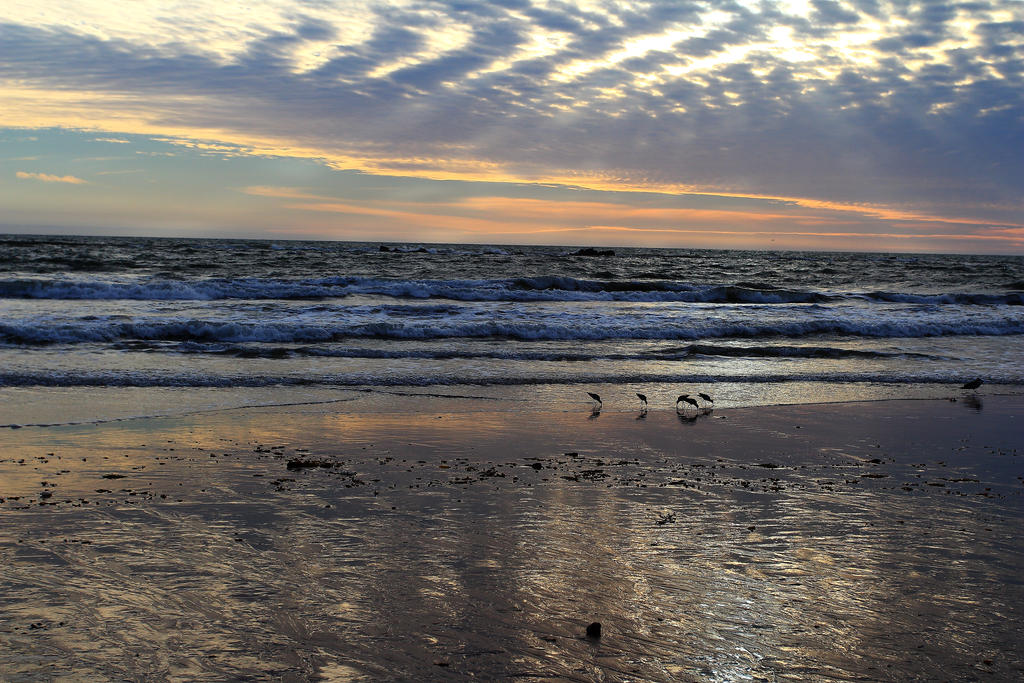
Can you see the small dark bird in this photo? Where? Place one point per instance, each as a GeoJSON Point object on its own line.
{"type": "Point", "coordinates": [973, 384]}
{"type": "Point", "coordinates": [595, 397]}
{"type": "Point", "coordinates": [706, 397]}
{"type": "Point", "coordinates": [686, 399]}
{"type": "Point", "coordinates": [643, 399]}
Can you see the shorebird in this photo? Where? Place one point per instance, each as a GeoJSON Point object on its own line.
{"type": "Point", "coordinates": [595, 397]}
{"type": "Point", "coordinates": [706, 397]}
{"type": "Point", "coordinates": [643, 399]}
{"type": "Point", "coordinates": [686, 399]}
{"type": "Point", "coordinates": [973, 384]}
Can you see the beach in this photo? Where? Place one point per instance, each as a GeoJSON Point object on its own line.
{"type": "Point", "coordinates": [512, 341]}
{"type": "Point", "coordinates": [447, 539]}
{"type": "Point", "coordinates": [346, 461]}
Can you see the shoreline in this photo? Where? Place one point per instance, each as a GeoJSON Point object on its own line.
{"type": "Point", "coordinates": [874, 539]}
{"type": "Point", "coordinates": [46, 407]}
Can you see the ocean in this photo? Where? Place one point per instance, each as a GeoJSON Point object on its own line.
{"type": "Point", "coordinates": [96, 328]}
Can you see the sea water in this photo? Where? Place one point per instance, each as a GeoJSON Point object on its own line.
{"type": "Point", "coordinates": [96, 328]}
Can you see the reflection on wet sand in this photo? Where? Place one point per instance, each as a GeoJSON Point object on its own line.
{"type": "Point", "coordinates": [973, 402]}
{"type": "Point", "coordinates": [840, 542]}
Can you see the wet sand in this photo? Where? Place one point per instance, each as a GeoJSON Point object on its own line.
{"type": "Point", "coordinates": [864, 541]}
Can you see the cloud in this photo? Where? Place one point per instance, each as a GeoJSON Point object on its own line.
{"type": "Point", "coordinates": [48, 178]}
{"type": "Point", "coordinates": [280, 192]}
{"type": "Point", "coordinates": [849, 101]}
{"type": "Point", "coordinates": [830, 12]}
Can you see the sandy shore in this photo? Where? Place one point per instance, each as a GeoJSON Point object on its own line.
{"type": "Point", "coordinates": [864, 541]}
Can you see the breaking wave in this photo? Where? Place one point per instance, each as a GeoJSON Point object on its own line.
{"type": "Point", "coordinates": [546, 288]}
{"type": "Point", "coordinates": [178, 379]}
{"type": "Point", "coordinates": [108, 331]}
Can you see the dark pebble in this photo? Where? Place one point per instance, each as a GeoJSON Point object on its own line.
{"type": "Point", "coordinates": [594, 630]}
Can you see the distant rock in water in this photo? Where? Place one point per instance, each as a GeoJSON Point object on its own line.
{"type": "Point", "coordinates": [395, 250]}
{"type": "Point", "coordinates": [590, 251]}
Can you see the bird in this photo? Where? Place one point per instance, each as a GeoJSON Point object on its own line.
{"type": "Point", "coordinates": [643, 399]}
{"type": "Point", "coordinates": [686, 399]}
{"type": "Point", "coordinates": [595, 397]}
{"type": "Point", "coordinates": [706, 397]}
{"type": "Point", "coordinates": [973, 384]}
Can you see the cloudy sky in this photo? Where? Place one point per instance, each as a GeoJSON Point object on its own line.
{"type": "Point", "coordinates": [823, 124]}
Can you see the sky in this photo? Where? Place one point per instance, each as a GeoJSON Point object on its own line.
{"type": "Point", "coordinates": [866, 125]}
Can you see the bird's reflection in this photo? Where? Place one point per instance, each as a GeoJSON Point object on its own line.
{"type": "Point", "coordinates": [973, 402]}
{"type": "Point", "coordinates": [686, 418]}
{"type": "Point", "coordinates": [595, 413]}
{"type": "Point", "coordinates": [642, 414]}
